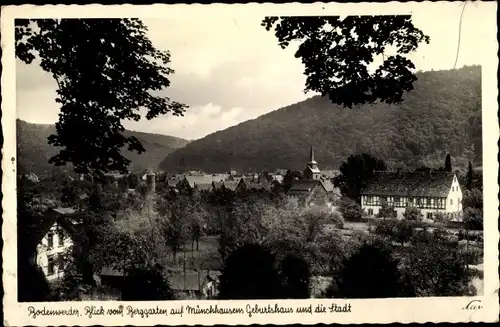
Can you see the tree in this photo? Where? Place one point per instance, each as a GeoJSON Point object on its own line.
{"type": "Point", "coordinates": [295, 276]}
{"type": "Point", "coordinates": [441, 217]}
{"type": "Point", "coordinates": [436, 269]}
{"type": "Point", "coordinates": [413, 214]}
{"type": "Point", "coordinates": [386, 210]}
{"type": "Point", "coordinates": [371, 272]}
{"type": "Point", "coordinates": [172, 223]}
{"type": "Point", "coordinates": [146, 283]}
{"type": "Point", "coordinates": [473, 209]}
{"type": "Point", "coordinates": [447, 163]}
{"type": "Point", "coordinates": [106, 70]}
{"type": "Point", "coordinates": [336, 53]}
{"type": "Point", "coordinates": [470, 175]}
{"type": "Point", "coordinates": [350, 210]}
{"type": "Point", "coordinates": [354, 173]}
{"type": "Point", "coordinates": [249, 272]}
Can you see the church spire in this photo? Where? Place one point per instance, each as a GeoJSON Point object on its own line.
{"type": "Point", "coordinates": [311, 156]}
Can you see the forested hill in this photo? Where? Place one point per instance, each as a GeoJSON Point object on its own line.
{"type": "Point", "coordinates": [34, 151]}
{"type": "Point", "coordinates": [442, 114]}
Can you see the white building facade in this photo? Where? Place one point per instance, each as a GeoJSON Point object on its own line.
{"type": "Point", "coordinates": [430, 192]}
{"type": "Point", "coordinates": [52, 251]}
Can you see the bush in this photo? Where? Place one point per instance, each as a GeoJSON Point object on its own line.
{"type": "Point", "coordinates": [371, 272]}
{"type": "Point", "coordinates": [473, 256]}
{"type": "Point", "coordinates": [413, 214]}
{"type": "Point", "coordinates": [146, 283]}
{"type": "Point", "coordinates": [436, 269]}
{"type": "Point", "coordinates": [296, 277]}
{"type": "Point", "coordinates": [249, 272]}
{"type": "Point", "coordinates": [350, 210]}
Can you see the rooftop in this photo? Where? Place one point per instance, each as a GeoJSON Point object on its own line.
{"type": "Point", "coordinates": [434, 184]}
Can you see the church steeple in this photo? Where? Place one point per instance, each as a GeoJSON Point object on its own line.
{"type": "Point", "coordinates": [311, 162]}
{"type": "Point", "coordinates": [312, 171]}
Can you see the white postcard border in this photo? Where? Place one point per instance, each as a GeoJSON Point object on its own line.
{"type": "Point", "coordinates": [453, 309]}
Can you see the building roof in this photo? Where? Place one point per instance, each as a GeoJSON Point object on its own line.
{"type": "Point", "coordinates": [302, 186]}
{"type": "Point", "coordinates": [314, 170]}
{"type": "Point", "coordinates": [199, 180]}
{"type": "Point", "coordinates": [434, 184]}
{"type": "Point", "coordinates": [204, 187]}
{"type": "Point", "coordinates": [231, 185]}
{"type": "Point", "coordinates": [328, 185]}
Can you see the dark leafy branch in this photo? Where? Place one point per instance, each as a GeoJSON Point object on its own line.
{"type": "Point", "coordinates": [107, 71]}
{"type": "Point", "coordinates": [337, 52]}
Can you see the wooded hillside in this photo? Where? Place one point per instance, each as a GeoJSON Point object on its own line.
{"type": "Point", "coordinates": [441, 115]}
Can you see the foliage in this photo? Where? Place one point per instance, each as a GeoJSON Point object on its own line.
{"type": "Point", "coordinates": [447, 163]}
{"type": "Point", "coordinates": [400, 231]}
{"type": "Point", "coordinates": [431, 121]}
{"type": "Point", "coordinates": [371, 272]}
{"type": "Point", "coordinates": [173, 222]}
{"type": "Point", "coordinates": [97, 88]}
{"type": "Point", "coordinates": [350, 210]}
{"type": "Point", "coordinates": [472, 204]}
{"type": "Point", "coordinates": [386, 210]}
{"type": "Point", "coordinates": [436, 268]}
{"type": "Point", "coordinates": [336, 53]}
{"type": "Point", "coordinates": [34, 151]}
{"type": "Point", "coordinates": [250, 272]}
{"type": "Point", "coordinates": [441, 217]}
{"type": "Point", "coordinates": [295, 276]}
{"type": "Point", "coordinates": [470, 176]}
{"type": "Point", "coordinates": [413, 214]}
{"type": "Point", "coordinates": [146, 283]}
{"type": "Point", "coordinates": [355, 172]}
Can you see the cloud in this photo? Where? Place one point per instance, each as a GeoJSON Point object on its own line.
{"type": "Point", "coordinates": [229, 69]}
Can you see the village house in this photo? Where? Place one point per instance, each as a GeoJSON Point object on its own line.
{"type": "Point", "coordinates": [431, 192]}
{"type": "Point", "coordinates": [253, 184]}
{"type": "Point", "coordinates": [313, 189]}
{"type": "Point", "coordinates": [55, 241]}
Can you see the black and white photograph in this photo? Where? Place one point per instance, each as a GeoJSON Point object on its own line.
{"type": "Point", "coordinates": [253, 156]}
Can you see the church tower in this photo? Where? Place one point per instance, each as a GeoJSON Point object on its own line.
{"type": "Point", "coordinates": [312, 171]}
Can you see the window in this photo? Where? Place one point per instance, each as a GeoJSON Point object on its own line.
{"type": "Point", "coordinates": [60, 263]}
{"type": "Point", "coordinates": [397, 199]}
{"type": "Point", "coordinates": [429, 215]}
{"type": "Point", "coordinates": [451, 201]}
{"type": "Point", "coordinates": [60, 237]}
{"type": "Point", "coordinates": [50, 265]}
{"type": "Point", "coordinates": [50, 240]}
{"type": "Point", "coordinates": [370, 212]}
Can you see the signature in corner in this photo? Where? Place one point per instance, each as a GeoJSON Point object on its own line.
{"type": "Point", "coordinates": [473, 305]}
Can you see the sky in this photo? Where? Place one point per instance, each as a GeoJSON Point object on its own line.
{"type": "Point", "coordinates": [230, 69]}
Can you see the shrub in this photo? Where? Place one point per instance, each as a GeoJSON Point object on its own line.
{"type": "Point", "coordinates": [371, 272]}
{"type": "Point", "coordinates": [249, 272]}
